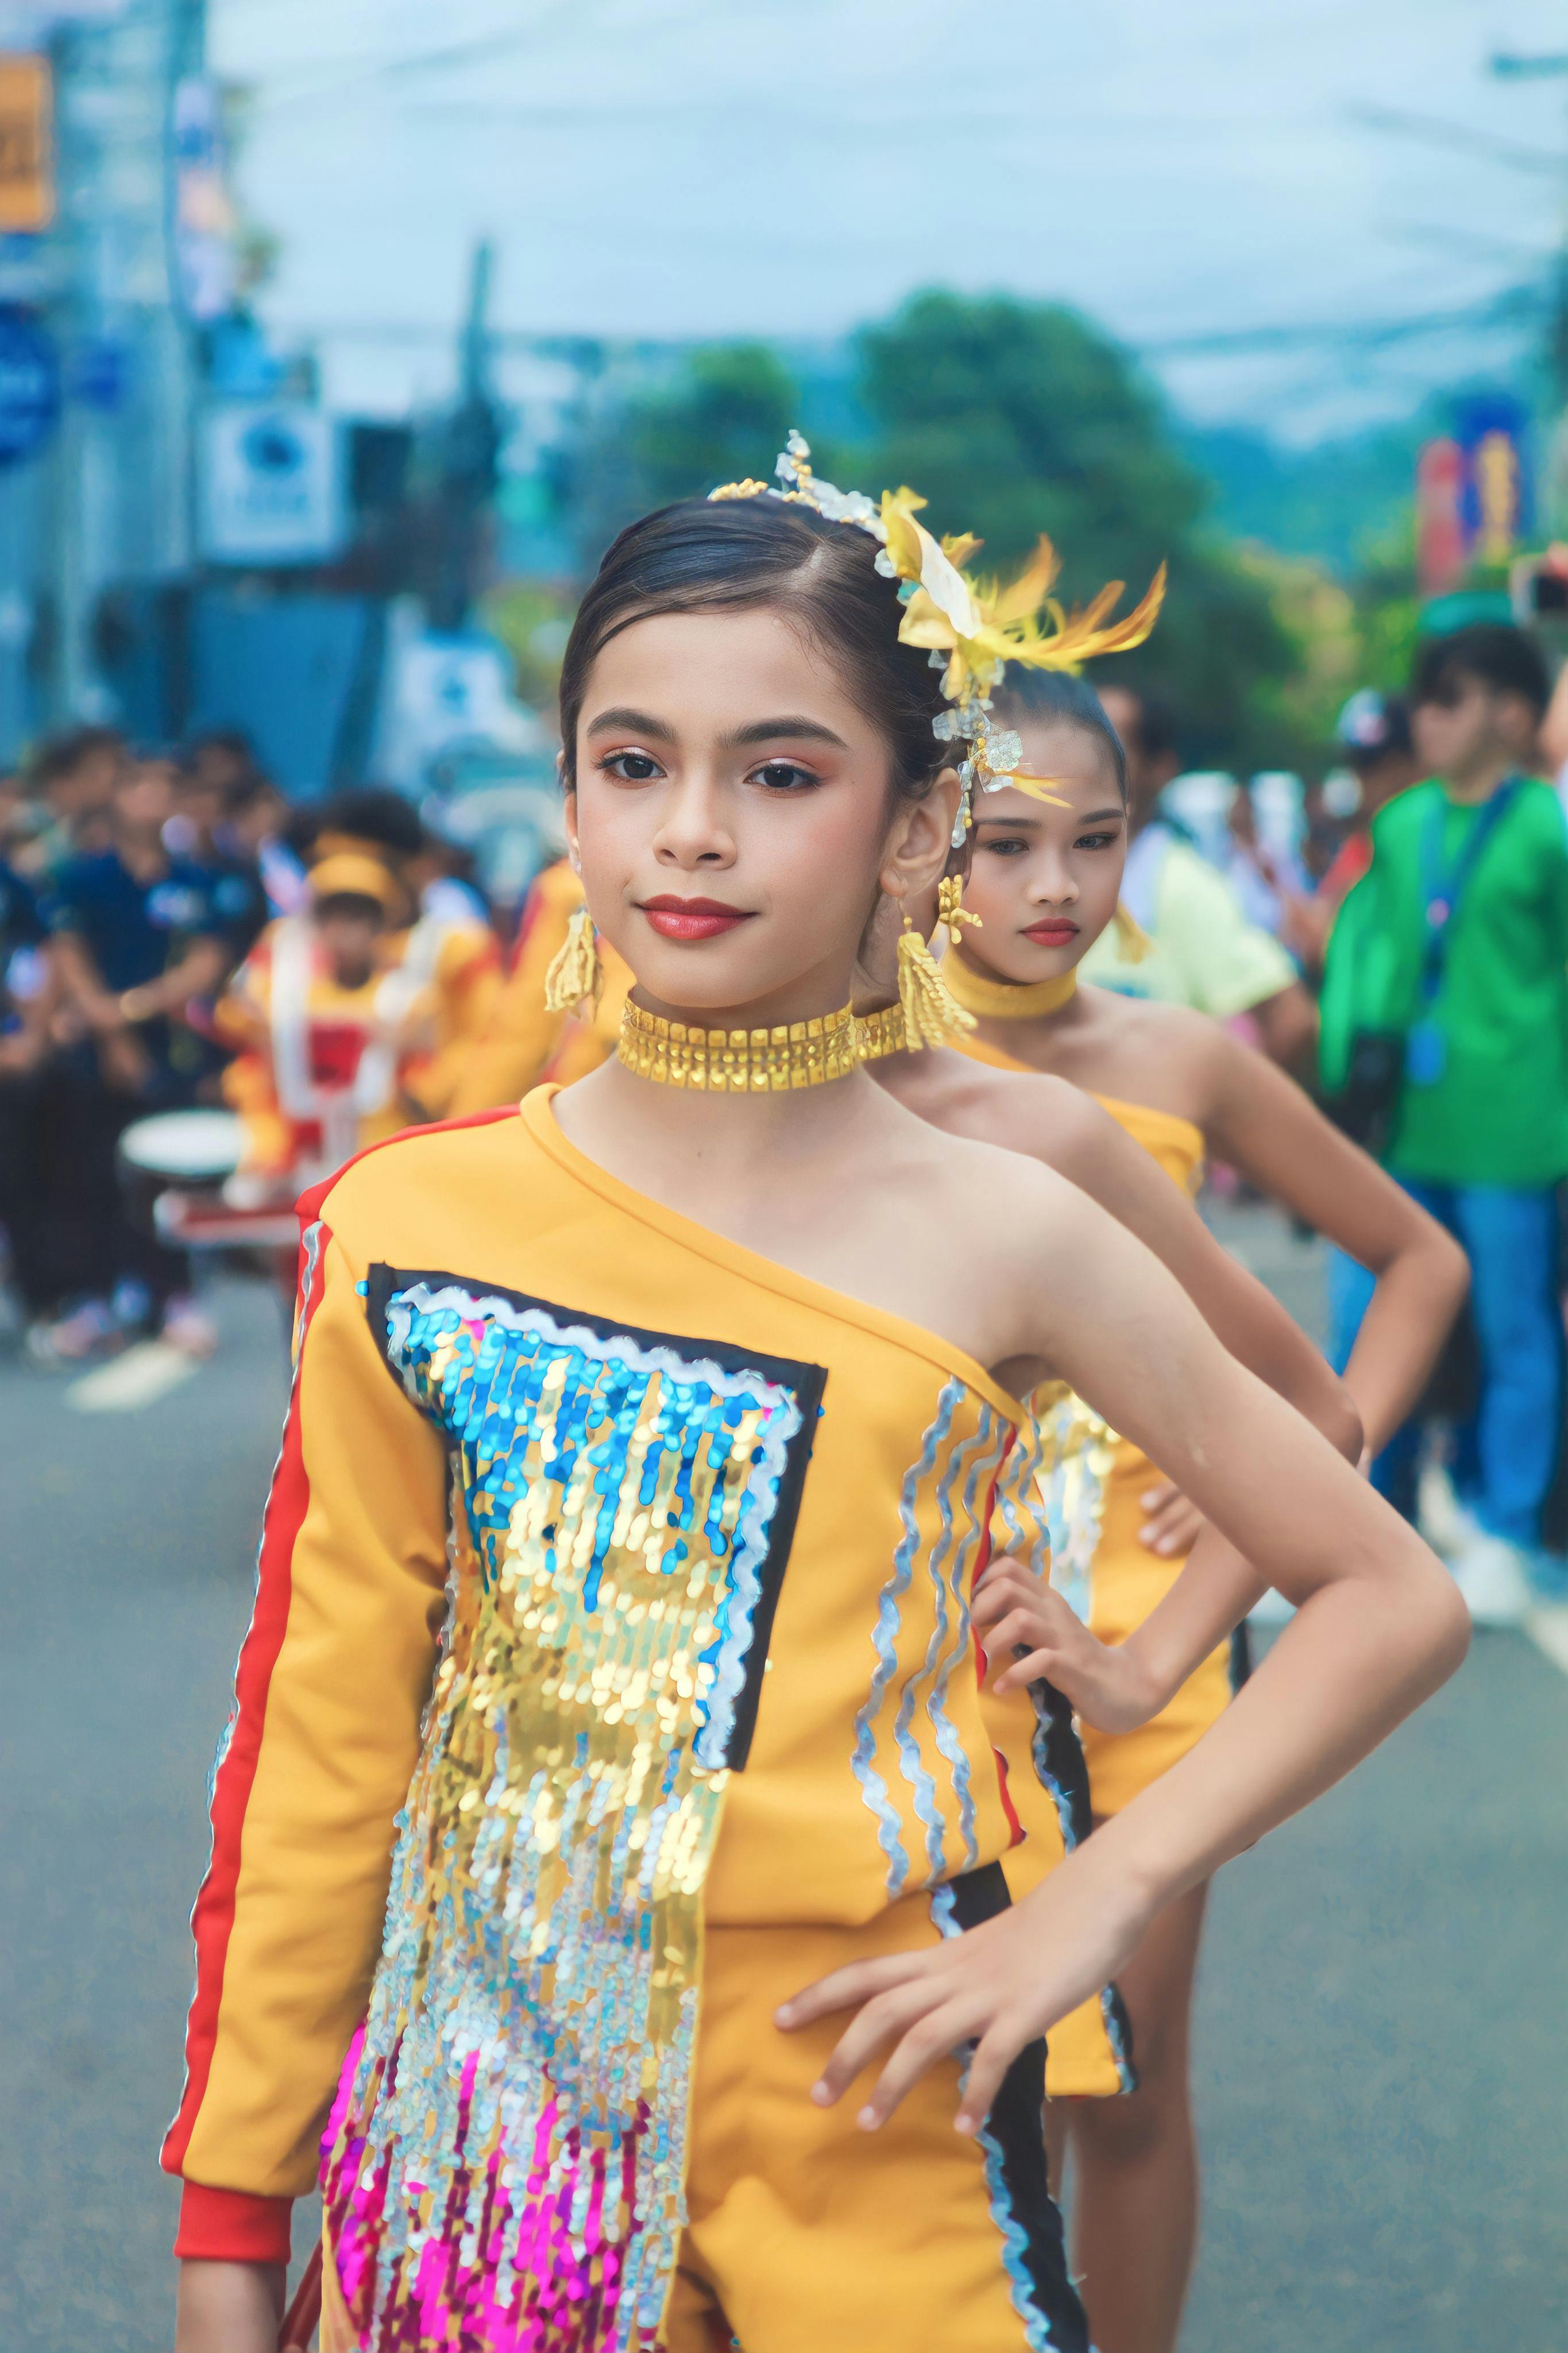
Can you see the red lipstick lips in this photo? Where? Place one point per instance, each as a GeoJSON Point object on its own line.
{"type": "Point", "coordinates": [692, 919]}
{"type": "Point", "coordinates": [1052, 932]}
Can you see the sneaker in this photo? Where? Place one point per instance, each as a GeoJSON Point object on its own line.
{"type": "Point", "coordinates": [189, 1327]}
{"type": "Point", "coordinates": [1490, 1573]}
{"type": "Point", "coordinates": [1549, 1578]}
{"type": "Point", "coordinates": [1449, 1525]}
{"type": "Point", "coordinates": [88, 1330]}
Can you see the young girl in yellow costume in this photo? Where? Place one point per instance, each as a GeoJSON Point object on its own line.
{"type": "Point", "coordinates": [1047, 864]}
{"type": "Point", "coordinates": [616, 1594]}
{"type": "Point", "coordinates": [326, 1035]}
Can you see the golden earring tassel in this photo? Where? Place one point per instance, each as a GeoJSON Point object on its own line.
{"type": "Point", "coordinates": [1130, 937]}
{"type": "Point", "coordinates": [950, 912]}
{"type": "Point", "coordinates": [576, 973]}
{"type": "Point", "coordinates": [932, 1015]}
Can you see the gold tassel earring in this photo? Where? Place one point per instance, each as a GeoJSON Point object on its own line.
{"type": "Point", "coordinates": [1130, 937]}
{"type": "Point", "coordinates": [932, 1015]}
{"type": "Point", "coordinates": [950, 911]}
{"type": "Point", "coordinates": [575, 973]}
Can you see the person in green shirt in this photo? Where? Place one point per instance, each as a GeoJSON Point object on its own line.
{"type": "Point", "coordinates": [1447, 972]}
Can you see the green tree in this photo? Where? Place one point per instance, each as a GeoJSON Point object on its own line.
{"type": "Point", "coordinates": [1016, 417]}
{"type": "Point", "coordinates": [725, 416]}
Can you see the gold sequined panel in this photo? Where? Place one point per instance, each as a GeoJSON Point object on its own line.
{"type": "Point", "coordinates": [506, 2160]}
{"type": "Point", "coordinates": [1077, 1453]}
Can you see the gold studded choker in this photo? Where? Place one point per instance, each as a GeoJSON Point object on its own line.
{"type": "Point", "coordinates": [740, 1061]}
{"type": "Point", "coordinates": [886, 1032]}
{"type": "Point", "coordinates": [1005, 1000]}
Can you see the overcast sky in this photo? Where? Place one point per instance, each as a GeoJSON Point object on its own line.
{"type": "Point", "coordinates": [718, 167]}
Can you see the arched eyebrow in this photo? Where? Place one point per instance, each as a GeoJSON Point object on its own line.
{"type": "Point", "coordinates": [794, 727]}
{"type": "Point", "coordinates": [631, 722]}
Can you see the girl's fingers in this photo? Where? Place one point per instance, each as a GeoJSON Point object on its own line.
{"type": "Point", "coordinates": [992, 1600]}
{"type": "Point", "coordinates": [939, 2035]}
{"type": "Point", "coordinates": [846, 1989]}
{"type": "Point", "coordinates": [1018, 1631]}
{"type": "Point", "coordinates": [880, 2022]}
{"type": "Point", "coordinates": [995, 2053]}
{"type": "Point", "coordinates": [1037, 1666]}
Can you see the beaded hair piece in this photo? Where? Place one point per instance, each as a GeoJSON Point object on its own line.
{"type": "Point", "coordinates": [971, 628]}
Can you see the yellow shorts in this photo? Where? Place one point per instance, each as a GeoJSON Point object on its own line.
{"type": "Point", "coordinates": [804, 2232]}
{"type": "Point", "coordinates": [1127, 1581]}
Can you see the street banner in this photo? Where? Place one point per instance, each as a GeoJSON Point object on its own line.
{"type": "Point", "coordinates": [1441, 550]}
{"type": "Point", "coordinates": [271, 483]}
{"type": "Point", "coordinates": [29, 384]}
{"type": "Point", "coordinates": [27, 144]}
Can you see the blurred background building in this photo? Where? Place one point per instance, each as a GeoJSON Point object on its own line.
{"type": "Point", "coordinates": [215, 513]}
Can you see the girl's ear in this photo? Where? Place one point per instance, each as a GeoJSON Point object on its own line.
{"type": "Point", "coordinates": [574, 858]}
{"type": "Point", "coordinates": [921, 839]}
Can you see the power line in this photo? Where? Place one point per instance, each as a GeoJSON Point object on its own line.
{"type": "Point", "coordinates": [1460, 137]}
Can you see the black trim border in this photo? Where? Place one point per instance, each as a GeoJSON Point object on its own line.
{"type": "Point", "coordinates": [806, 1383]}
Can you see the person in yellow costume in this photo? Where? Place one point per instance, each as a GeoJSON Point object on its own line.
{"type": "Point", "coordinates": [326, 1033]}
{"type": "Point", "coordinates": [613, 1782]}
{"type": "Point", "coordinates": [525, 1040]}
{"type": "Point", "coordinates": [1046, 862]}
{"type": "Point", "coordinates": [448, 957]}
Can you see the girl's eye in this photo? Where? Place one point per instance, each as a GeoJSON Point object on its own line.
{"type": "Point", "coordinates": [1001, 846]}
{"type": "Point", "coordinates": [783, 777]}
{"type": "Point", "coordinates": [632, 767]}
{"type": "Point", "coordinates": [1094, 840]}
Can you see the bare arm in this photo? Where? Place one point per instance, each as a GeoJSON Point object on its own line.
{"type": "Point", "coordinates": [1287, 1025]}
{"type": "Point", "coordinates": [1269, 1130]}
{"type": "Point", "coordinates": [1379, 1625]}
{"type": "Point", "coordinates": [1119, 1687]}
{"type": "Point", "coordinates": [1096, 1152]}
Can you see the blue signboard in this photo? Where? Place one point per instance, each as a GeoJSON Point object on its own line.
{"type": "Point", "coordinates": [29, 384]}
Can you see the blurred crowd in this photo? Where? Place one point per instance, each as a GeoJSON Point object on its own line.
{"type": "Point", "coordinates": [176, 938]}
{"type": "Point", "coordinates": [179, 943]}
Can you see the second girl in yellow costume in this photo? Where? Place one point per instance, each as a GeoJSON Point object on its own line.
{"type": "Point", "coordinates": [618, 1569]}
{"type": "Point", "coordinates": [1048, 854]}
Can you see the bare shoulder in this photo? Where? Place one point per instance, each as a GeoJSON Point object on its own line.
{"type": "Point", "coordinates": [1035, 1112]}
{"type": "Point", "coordinates": [978, 1159]}
{"type": "Point", "coordinates": [1167, 1055]}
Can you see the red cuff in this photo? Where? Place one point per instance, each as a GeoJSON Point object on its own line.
{"type": "Point", "coordinates": [232, 2226]}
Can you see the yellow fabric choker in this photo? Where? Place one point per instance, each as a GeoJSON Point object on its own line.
{"type": "Point", "coordinates": [1005, 1000]}
{"type": "Point", "coordinates": [740, 1061]}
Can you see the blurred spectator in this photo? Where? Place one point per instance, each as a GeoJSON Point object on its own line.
{"type": "Point", "coordinates": [71, 779]}
{"type": "Point", "coordinates": [324, 1031]}
{"type": "Point", "coordinates": [197, 833]}
{"type": "Point", "coordinates": [136, 937]}
{"type": "Point", "coordinates": [442, 943]}
{"type": "Point", "coordinates": [221, 758]}
{"type": "Point", "coordinates": [256, 831]}
{"type": "Point", "coordinates": [1445, 1041]}
{"type": "Point", "coordinates": [1373, 735]}
{"type": "Point", "coordinates": [1266, 882]}
{"type": "Point", "coordinates": [27, 989]}
{"type": "Point", "coordinates": [525, 1043]}
{"type": "Point", "coordinates": [1201, 951]}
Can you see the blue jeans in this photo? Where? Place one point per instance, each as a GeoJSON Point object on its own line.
{"type": "Point", "coordinates": [1507, 1451]}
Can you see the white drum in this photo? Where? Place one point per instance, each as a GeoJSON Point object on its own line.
{"type": "Point", "coordinates": [183, 1148]}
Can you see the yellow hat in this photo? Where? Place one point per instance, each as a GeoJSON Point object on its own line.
{"type": "Point", "coordinates": [350, 874]}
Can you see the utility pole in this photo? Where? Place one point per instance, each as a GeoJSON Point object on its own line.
{"type": "Point", "coordinates": [121, 470]}
{"type": "Point", "coordinates": [469, 450]}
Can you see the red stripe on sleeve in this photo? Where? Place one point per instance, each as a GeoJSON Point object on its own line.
{"type": "Point", "coordinates": [230, 2226]}
{"type": "Point", "coordinates": [212, 1917]}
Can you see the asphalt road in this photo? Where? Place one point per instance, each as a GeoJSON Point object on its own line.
{"type": "Point", "coordinates": [1382, 2059]}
